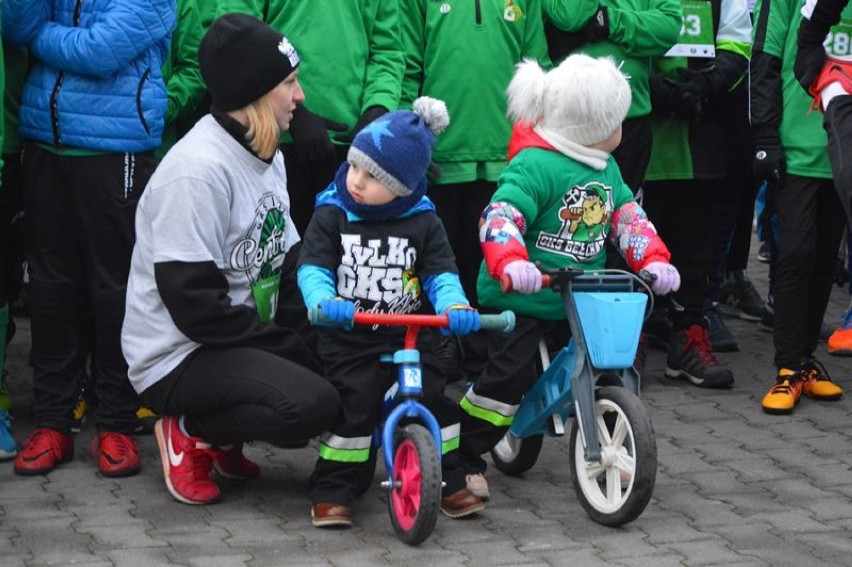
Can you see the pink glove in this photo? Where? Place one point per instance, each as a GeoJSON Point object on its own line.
{"type": "Point", "coordinates": [524, 275]}
{"type": "Point", "coordinates": [666, 277]}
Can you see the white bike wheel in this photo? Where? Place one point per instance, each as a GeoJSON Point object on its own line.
{"type": "Point", "coordinates": [616, 489]}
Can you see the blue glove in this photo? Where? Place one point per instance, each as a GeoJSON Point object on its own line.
{"type": "Point", "coordinates": [337, 310]}
{"type": "Point", "coordinates": [463, 320]}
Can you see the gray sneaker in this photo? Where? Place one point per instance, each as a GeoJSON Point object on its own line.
{"type": "Point", "coordinates": [739, 293]}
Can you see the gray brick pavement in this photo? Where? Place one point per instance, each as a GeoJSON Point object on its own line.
{"type": "Point", "coordinates": [735, 487]}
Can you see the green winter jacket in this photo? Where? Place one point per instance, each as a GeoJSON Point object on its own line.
{"type": "Point", "coordinates": [464, 52]}
{"type": "Point", "coordinates": [778, 102]}
{"type": "Point", "coordinates": [542, 185]}
{"type": "Point", "coordinates": [184, 84]}
{"type": "Point", "coordinates": [349, 50]}
{"type": "Point", "coordinates": [639, 31]}
{"type": "Point", "coordinates": [683, 149]}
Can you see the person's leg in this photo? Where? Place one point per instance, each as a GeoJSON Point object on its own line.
{"type": "Point", "coordinates": [689, 353]}
{"type": "Point", "coordinates": [457, 500]}
{"type": "Point", "coordinates": [460, 206]}
{"type": "Point", "coordinates": [218, 398]}
{"type": "Point", "coordinates": [634, 152]}
{"type": "Point", "coordinates": [489, 406]}
{"type": "Point", "coordinates": [796, 206]}
{"type": "Point", "coordinates": [238, 394]}
{"type": "Point", "coordinates": [56, 291]}
{"type": "Point", "coordinates": [345, 449]}
{"type": "Point", "coordinates": [726, 206]}
{"type": "Point", "coordinates": [105, 192]}
{"type": "Point", "coordinates": [57, 284]}
{"type": "Point", "coordinates": [838, 125]}
{"type": "Point", "coordinates": [829, 228]}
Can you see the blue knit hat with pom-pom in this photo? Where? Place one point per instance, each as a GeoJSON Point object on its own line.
{"type": "Point", "coordinates": [397, 148]}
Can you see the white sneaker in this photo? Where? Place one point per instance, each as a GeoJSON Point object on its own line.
{"type": "Point", "coordinates": [477, 484]}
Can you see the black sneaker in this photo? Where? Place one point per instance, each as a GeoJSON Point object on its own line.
{"type": "Point", "coordinates": [690, 357]}
{"type": "Point", "coordinates": [738, 292]}
{"type": "Point", "coordinates": [721, 338]}
{"type": "Point", "coordinates": [449, 358]}
{"type": "Point", "coordinates": [763, 253]}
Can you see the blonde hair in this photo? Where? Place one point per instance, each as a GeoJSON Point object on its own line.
{"type": "Point", "coordinates": [263, 131]}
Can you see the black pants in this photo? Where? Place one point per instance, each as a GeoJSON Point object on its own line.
{"type": "Point", "coordinates": [362, 381]}
{"type": "Point", "coordinates": [237, 394]}
{"type": "Point", "coordinates": [11, 245]}
{"type": "Point", "coordinates": [509, 373]}
{"type": "Point", "coordinates": [736, 193]}
{"type": "Point", "coordinates": [838, 126]}
{"type": "Point", "coordinates": [460, 207]}
{"type": "Point", "coordinates": [682, 212]}
{"type": "Point", "coordinates": [306, 179]}
{"type": "Point", "coordinates": [810, 222]}
{"type": "Point", "coordinates": [79, 226]}
{"type": "Point", "coordinates": [634, 152]}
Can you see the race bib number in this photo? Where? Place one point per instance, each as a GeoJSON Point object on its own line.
{"type": "Point", "coordinates": [837, 40]}
{"type": "Point", "coordinates": [265, 294]}
{"type": "Point", "coordinates": [696, 34]}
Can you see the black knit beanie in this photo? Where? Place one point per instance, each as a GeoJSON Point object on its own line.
{"type": "Point", "coordinates": [242, 59]}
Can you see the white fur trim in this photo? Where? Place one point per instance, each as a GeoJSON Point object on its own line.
{"type": "Point", "coordinates": [526, 92]}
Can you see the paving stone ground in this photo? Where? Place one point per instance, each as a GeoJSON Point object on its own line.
{"type": "Point", "coordinates": [735, 487]}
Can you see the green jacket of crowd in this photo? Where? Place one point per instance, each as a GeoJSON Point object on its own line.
{"type": "Point", "coordinates": [350, 51]}
{"type": "Point", "coordinates": [779, 105]}
{"type": "Point", "coordinates": [692, 148]}
{"type": "Point", "coordinates": [464, 53]}
{"type": "Point", "coordinates": [639, 31]}
{"type": "Point", "coordinates": [181, 72]}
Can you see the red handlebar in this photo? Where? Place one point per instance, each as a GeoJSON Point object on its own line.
{"type": "Point", "coordinates": [398, 319]}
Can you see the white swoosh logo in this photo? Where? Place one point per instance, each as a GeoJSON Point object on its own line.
{"type": "Point", "coordinates": [174, 459]}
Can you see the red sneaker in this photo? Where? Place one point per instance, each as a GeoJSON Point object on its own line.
{"type": "Point", "coordinates": [117, 454]}
{"type": "Point", "coordinates": [187, 463]}
{"type": "Point", "coordinates": [834, 70]}
{"type": "Point", "coordinates": [230, 463]}
{"type": "Point", "coordinates": [43, 450]}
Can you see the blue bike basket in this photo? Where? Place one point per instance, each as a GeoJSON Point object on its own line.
{"type": "Point", "coordinates": [611, 323]}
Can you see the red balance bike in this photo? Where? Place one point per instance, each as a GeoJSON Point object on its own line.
{"type": "Point", "coordinates": [413, 463]}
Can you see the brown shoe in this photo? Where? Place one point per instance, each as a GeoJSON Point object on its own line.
{"type": "Point", "coordinates": [462, 503]}
{"type": "Point", "coordinates": [327, 515]}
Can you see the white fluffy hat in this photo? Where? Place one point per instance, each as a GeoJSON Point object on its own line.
{"type": "Point", "coordinates": [584, 99]}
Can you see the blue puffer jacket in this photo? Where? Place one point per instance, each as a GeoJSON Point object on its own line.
{"type": "Point", "coordinates": [98, 84]}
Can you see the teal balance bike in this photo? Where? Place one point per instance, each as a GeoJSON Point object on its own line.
{"type": "Point", "coordinates": [592, 382]}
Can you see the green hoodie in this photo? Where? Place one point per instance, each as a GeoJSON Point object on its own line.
{"type": "Point", "coordinates": [349, 51]}
{"type": "Point", "coordinates": [639, 30]}
{"type": "Point", "coordinates": [181, 72]}
{"type": "Point", "coordinates": [464, 52]}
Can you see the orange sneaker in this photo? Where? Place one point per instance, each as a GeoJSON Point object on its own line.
{"type": "Point", "coordinates": [840, 341]}
{"type": "Point", "coordinates": [784, 394]}
{"type": "Point", "coordinates": [817, 384]}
